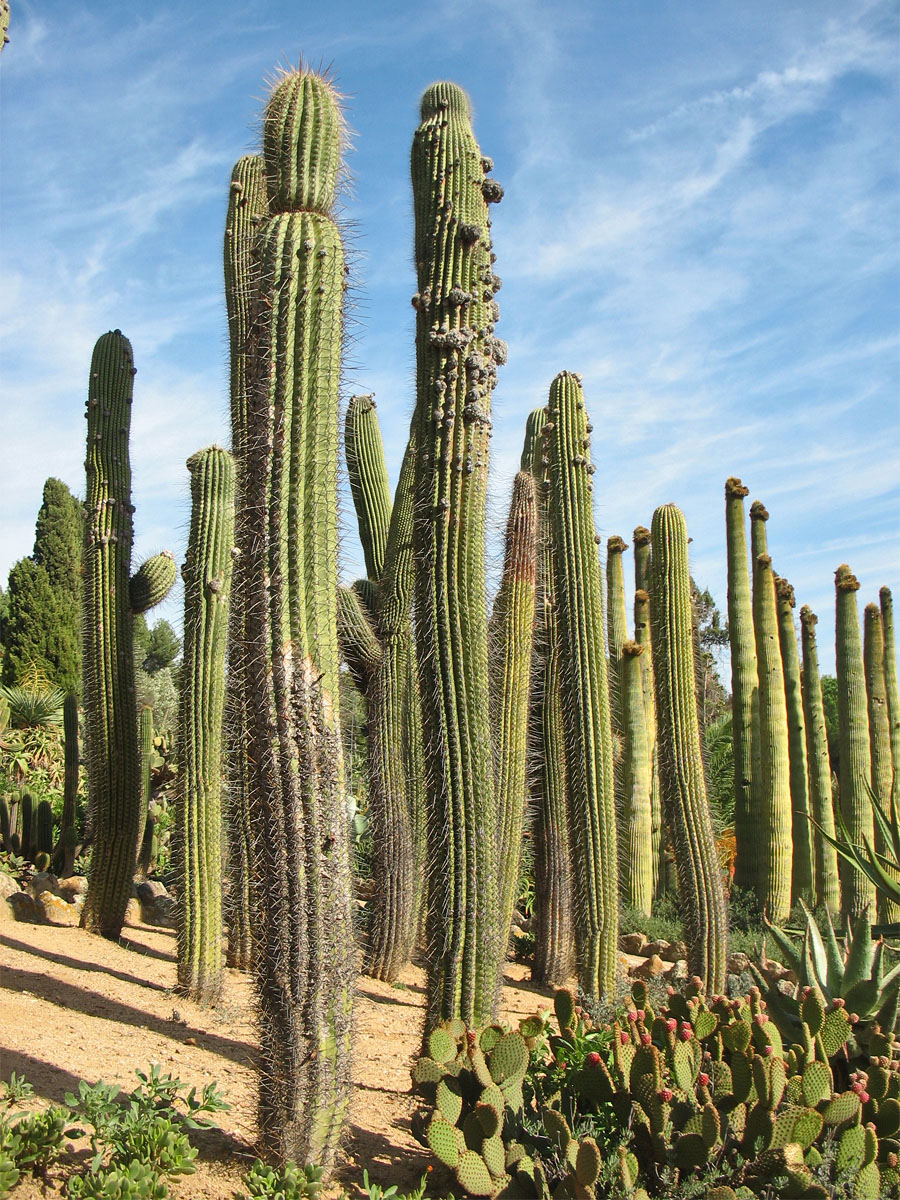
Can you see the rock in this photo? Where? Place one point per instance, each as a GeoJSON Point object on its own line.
{"type": "Point", "coordinates": [21, 906]}
{"type": "Point", "coordinates": [659, 947]}
{"type": "Point", "coordinates": [53, 910]}
{"type": "Point", "coordinates": [674, 952]}
{"type": "Point", "coordinates": [133, 913]}
{"type": "Point", "coordinates": [679, 971]}
{"type": "Point", "coordinates": [149, 889]}
{"type": "Point", "coordinates": [74, 885]}
{"type": "Point", "coordinates": [161, 913]}
{"type": "Point", "coordinates": [633, 943]}
{"type": "Point", "coordinates": [8, 885]}
{"type": "Point", "coordinates": [651, 968]}
{"type": "Point", "coordinates": [43, 881]}
{"type": "Point", "coordinates": [737, 963]}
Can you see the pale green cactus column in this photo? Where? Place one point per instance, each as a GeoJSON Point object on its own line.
{"type": "Point", "coordinates": [827, 876]}
{"type": "Point", "coordinates": [801, 830]}
{"type": "Point", "coordinates": [879, 736]}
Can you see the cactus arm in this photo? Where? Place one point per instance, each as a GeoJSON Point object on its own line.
{"type": "Point", "coordinates": [152, 581]}
{"type": "Point", "coordinates": [198, 818]}
{"type": "Point", "coordinates": [360, 648]}
{"type": "Point", "coordinates": [109, 697]}
{"type": "Point", "coordinates": [879, 738]}
{"type": "Point", "coordinates": [369, 485]}
{"type": "Point", "coordinates": [801, 834]}
{"type": "Point", "coordinates": [579, 591]}
{"type": "Point", "coordinates": [827, 879]}
{"type": "Point", "coordinates": [682, 781]}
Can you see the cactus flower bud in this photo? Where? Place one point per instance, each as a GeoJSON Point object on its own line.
{"type": "Point", "coordinates": [592, 1059]}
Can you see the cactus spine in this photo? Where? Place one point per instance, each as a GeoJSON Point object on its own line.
{"type": "Point", "coordinates": [827, 876]}
{"type": "Point", "coordinates": [579, 591]}
{"type": "Point", "coordinates": [801, 831]}
{"type": "Point", "coordinates": [749, 869]}
{"type": "Point", "coordinates": [456, 360]}
{"type": "Point", "coordinates": [301, 871]}
{"type": "Point", "coordinates": [636, 827]}
{"type": "Point", "coordinates": [64, 855]}
{"type": "Point", "coordinates": [855, 767]}
{"type": "Point", "coordinates": [197, 846]}
{"type": "Point", "coordinates": [511, 633]}
{"type": "Point", "coordinates": [879, 736]}
{"type": "Point", "coordinates": [554, 953]}
{"type": "Point", "coordinates": [247, 203]}
{"type": "Point", "coordinates": [682, 780]}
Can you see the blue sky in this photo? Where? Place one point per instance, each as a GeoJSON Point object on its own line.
{"type": "Point", "coordinates": [701, 217]}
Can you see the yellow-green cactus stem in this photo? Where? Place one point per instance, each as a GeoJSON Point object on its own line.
{"type": "Point", "coordinates": [636, 826]}
{"type": "Point", "coordinates": [368, 477]}
{"type": "Point", "coordinates": [145, 748]}
{"type": "Point", "coordinates": [554, 950]}
{"type": "Point", "coordinates": [616, 623]}
{"type": "Point", "coordinates": [197, 834]}
{"type": "Point", "coordinates": [641, 538]}
{"type": "Point", "coordinates": [64, 855]}
{"type": "Point", "coordinates": [857, 892]}
{"type": "Point", "coordinates": [456, 365]}
{"type": "Point", "coordinates": [152, 581]}
{"type": "Point", "coordinates": [579, 592]}
{"type": "Point", "coordinates": [801, 830]}
{"type": "Point", "coordinates": [879, 737]}
{"type": "Point", "coordinates": [301, 893]}
{"type": "Point", "coordinates": [749, 865]}
{"type": "Point", "coordinates": [511, 639]}
{"type": "Point", "coordinates": [643, 637]}
{"type": "Point", "coordinates": [890, 682]}
{"type": "Point", "coordinates": [775, 769]}
{"type": "Point", "coordinates": [682, 780]}
{"type": "Point", "coordinates": [247, 205]}
{"type": "Point", "coordinates": [827, 876]}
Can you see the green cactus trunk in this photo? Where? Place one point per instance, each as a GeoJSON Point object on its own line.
{"type": "Point", "coordinates": [64, 855]}
{"type": "Point", "coordinates": [554, 950]}
{"type": "Point", "coordinates": [456, 360]}
{"type": "Point", "coordinates": [892, 689]}
{"type": "Point", "coordinates": [113, 761]}
{"type": "Point", "coordinates": [43, 839]}
{"type": "Point", "coordinates": [857, 893]}
{"type": "Point", "coordinates": [247, 204]}
{"type": "Point", "coordinates": [301, 892]}
{"type": "Point", "coordinates": [879, 738]}
{"type": "Point", "coordinates": [511, 641]}
{"type": "Point", "coordinates": [775, 768]}
{"type": "Point", "coordinates": [682, 780]}
{"type": "Point", "coordinates": [643, 637]}
{"type": "Point", "coordinates": [368, 477]}
{"type": "Point", "coordinates": [827, 877]}
{"type": "Point", "coordinates": [27, 825]}
{"type": "Point", "coordinates": [197, 846]}
{"type": "Point", "coordinates": [636, 826]}
{"type": "Point", "coordinates": [579, 591]}
{"type": "Point", "coordinates": [801, 830]}
{"type": "Point", "coordinates": [749, 867]}
{"type": "Point", "coordinates": [145, 749]}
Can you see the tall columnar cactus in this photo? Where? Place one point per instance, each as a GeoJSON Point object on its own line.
{"type": "Point", "coordinates": [368, 477]}
{"type": "Point", "coordinates": [853, 722]}
{"type": "Point", "coordinates": [247, 204]}
{"type": "Point", "coordinates": [749, 867]}
{"type": "Point", "coordinates": [682, 780]}
{"type": "Point", "coordinates": [510, 642]}
{"type": "Point", "coordinates": [579, 592]}
{"type": "Point", "coordinates": [801, 830]}
{"type": "Point", "coordinates": [301, 891]}
{"type": "Point", "coordinates": [197, 841]}
{"type": "Point", "coordinates": [113, 761]}
{"type": "Point", "coordinates": [146, 823]}
{"type": "Point", "coordinates": [43, 828]}
{"type": "Point", "coordinates": [456, 362]}
{"type": "Point", "coordinates": [774, 888]}
{"type": "Point", "coordinates": [879, 736]}
{"type": "Point", "coordinates": [64, 855]}
{"type": "Point", "coordinates": [616, 626]}
{"type": "Point", "coordinates": [644, 638]}
{"type": "Point", "coordinates": [821, 802]}
{"type": "Point", "coordinates": [892, 689]}
{"type": "Point", "coordinates": [641, 537]}
{"type": "Point", "coordinates": [636, 826]}
{"type": "Point", "coordinates": [554, 952]}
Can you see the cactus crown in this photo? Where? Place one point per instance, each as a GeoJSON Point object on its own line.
{"type": "Point", "coordinates": [303, 137]}
{"type": "Point", "coordinates": [641, 535]}
{"type": "Point", "coordinates": [785, 592]}
{"type": "Point", "coordinates": [443, 96]}
{"type": "Point", "coordinates": [616, 545]}
{"type": "Point", "coordinates": [807, 616]}
{"type": "Point", "coordinates": [735, 489]}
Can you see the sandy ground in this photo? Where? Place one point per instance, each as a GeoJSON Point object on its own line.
{"type": "Point", "coordinates": [74, 1006]}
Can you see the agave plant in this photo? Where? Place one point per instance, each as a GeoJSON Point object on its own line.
{"type": "Point", "coordinates": [882, 869]}
{"type": "Point", "coordinates": [33, 703]}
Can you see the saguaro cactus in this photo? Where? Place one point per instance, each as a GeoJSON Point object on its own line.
{"type": "Point", "coordinates": [879, 736]}
{"type": "Point", "coordinates": [827, 877]}
{"type": "Point", "coordinates": [301, 871]}
{"type": "Point", "coordinates": [197, 845]}
{"type": "Point", "coordinates": [113, 761]}
{"type": "Point", "coordinates": [748, 868]}
{"type": "Point", "coordinates": [579, 590]}
{"type": "Point", "coordinates": [682, 780]}
{"type": "Point", "coordinates": [801, 831]}
{"type": "Point", "coordinates": [247, 204]}
{"type": "Point", "coordinates": [456, 361]}
{"type": "Point", "coordinates": [857, 892]}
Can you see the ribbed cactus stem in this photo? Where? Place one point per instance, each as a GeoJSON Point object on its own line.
{"type": "Point", "coordinates": [43, 839]}
{"type": "Point", "coordinates": [892, 689]}
{"type": "Point", "coordinates": [616, 624]}
{"type": "Point", "coordinates": [456, 362]}
{"type": "Point", "coordinates": [827, 876]}
{"type": "Point", "coordinates": [879, 736]}
{"type": "Point", "coordinates": [27, 824]}
{"type": "Point", "coordinates": [857, 892]}
{"type": "Point", "coordinates": [636, 827]}
{"type": "Point", "coordinates": [642, 539]}
{"type": "Point", "coordinates": [775, 774]}
{"type": "Point", "coordinates": [643, 637]}
{"type": "Point", "coordinates": [303, 943]}
{"type": "Point", "coordinates": [369, 484]}
{"type": "Point", "coordinates": [579, 591]}
{"type": "Point", "coordinates": [554, 951]}
{"type": "Point", "coordinates": [114, 779]}
{"type": "Point", "coordinates": [360, 647]}
{"type": "Point", "coordinates": [749, 867]}
{"type": "Point", "coordinates": [682, 780]}
{"type": "Point", "coordinates": [801, 830]}
{"type": "Point", "coordinates": [145, 749]}
{"type": "Point", "coordinates": [511, 639]}
{"type": "Point", "coordinates": [247, 205]}
{"type": "Point", "coordinates": [152, 581]}
{"type": "Point", "coordinates": [64, 856]}
{"type": "Point", "coordinates": [197, 843]}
